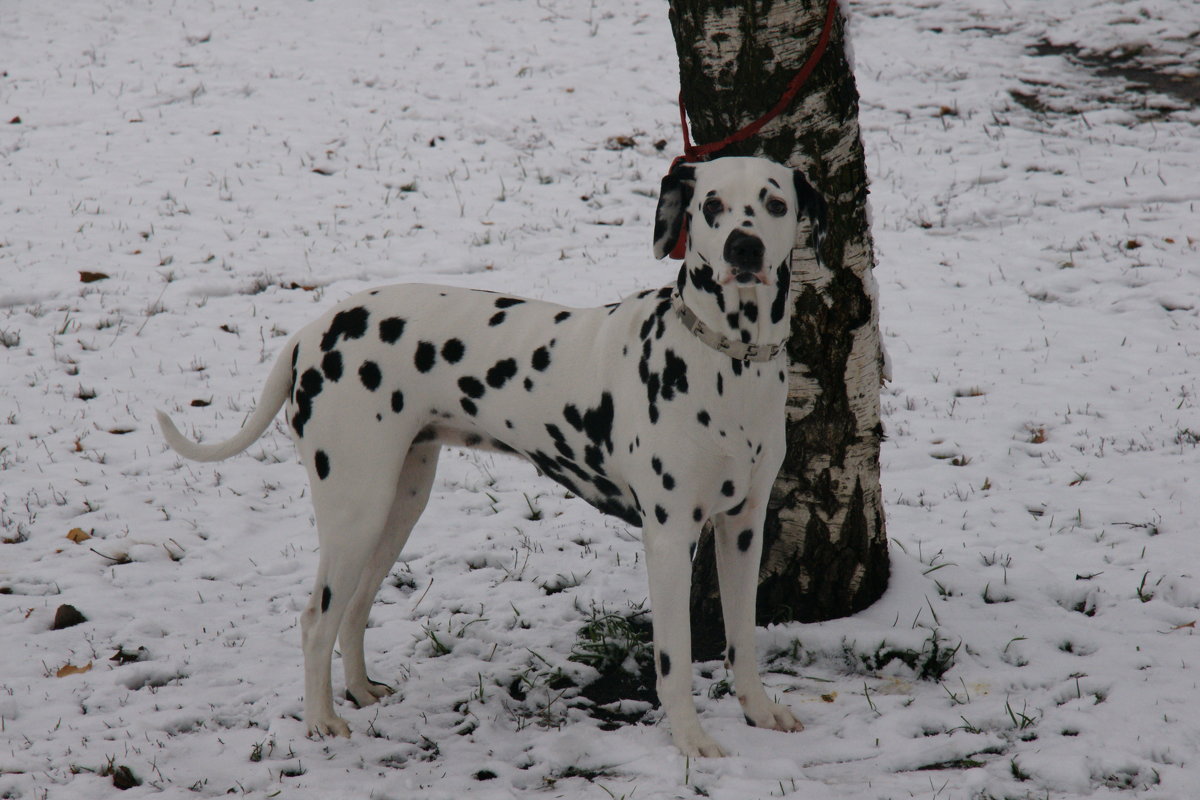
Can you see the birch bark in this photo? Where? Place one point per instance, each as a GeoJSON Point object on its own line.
{"type": "Point", "coordinates": [825, 545]}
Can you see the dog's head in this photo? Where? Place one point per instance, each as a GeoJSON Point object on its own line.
{"type": "Point", "coordinates": [741, 215]}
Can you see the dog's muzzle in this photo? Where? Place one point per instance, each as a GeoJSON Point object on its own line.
{"type": "Point", "coordinates": [744, 252]}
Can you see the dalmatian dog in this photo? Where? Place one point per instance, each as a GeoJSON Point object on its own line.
{"type": "Point", "coordinates": [665, 409]}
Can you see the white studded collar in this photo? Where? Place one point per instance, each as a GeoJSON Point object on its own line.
{"type": "Point", "coordinates": [738, 351]}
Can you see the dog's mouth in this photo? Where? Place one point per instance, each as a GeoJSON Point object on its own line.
{"type": "Point", "coordinates": [744, 277]}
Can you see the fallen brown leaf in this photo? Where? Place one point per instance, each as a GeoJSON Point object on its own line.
{"type": "Point", "coordinates": [78, 535]}
{"type": "Point", "coordinates": [71, 669]}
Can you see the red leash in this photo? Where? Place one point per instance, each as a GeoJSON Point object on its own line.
{"type": "Point", "coordinates": [693, 153]}
{"type": "Point", "coordinates": [698, 152]}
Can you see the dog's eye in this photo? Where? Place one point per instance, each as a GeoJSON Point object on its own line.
{"type": "Point", "coordinates": [776, 207]}
{"type": "Point", "coordinates": [713, 206]}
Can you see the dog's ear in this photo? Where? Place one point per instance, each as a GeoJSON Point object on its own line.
{"type": "Point", "coordinates": [810, 204]}
{"type": "Point", "coordinates": [673, 200]}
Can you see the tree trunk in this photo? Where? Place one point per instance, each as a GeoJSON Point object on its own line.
{"type": "Point", "coordinates": [825, 546]}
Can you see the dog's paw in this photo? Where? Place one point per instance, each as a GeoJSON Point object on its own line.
{"type": "Point", "coordinates": [697, 744]}
{"type": "Point", "coordinates": [330, 726]}
{"type": "Point", "coordinates": [772, 716]}
{"type": "Point", "coordinates": [369, 693]}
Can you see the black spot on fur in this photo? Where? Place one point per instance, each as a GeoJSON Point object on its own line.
{"type": "Point", "coordinates": [529, 384]}
{"type": "Point", "coordinates": [331, 365]}
{"type": "Point", "coordinates": [597, 422]}
{"type": "Point", "coordinates": [668, 481]}
{"type": "Point", "coordinates": [508, 302]}
{"type": "Point", "coordinates": [733, 512]}
{"type": "Point", "coordinates": [750, 310]}
{"type": "Point", "coordinates": [560, 441]}
{"type": "Point", "coordinates": [500, 372]}
{"type": "Point", "coordinates": [732, 655]}
{"type": "Point", "coordinates": [606, 486]}
{"type": "Point", "coordinates": [425, 357]}
{"type": "Point", "coordinates": [697, 513]}
{"type": "Point", "coordinates": [471, 387]}
{"type": "Point", "coordinates": [326, 598]}
{"type": "Point", "coordinates": [783, 279]}
{"type": "Point", "coordinates": [656, 465]}
{"type": "Point", "coordinates": [468, 405]}
{"type": "Point", "coordinates": [397, 401]}
{"type": "Point", "coordinates": [310, 386]}
{"type": "Point", "coordinates": [370, 375]}
{"type": "Point", "coordinates": [425, 435]}
{"type": "Point", "coordinates": [321, 462]}
{"type": "Point", "coordinates": [350, 324]}
{"type": "Point", "coordinates": [704, 281]}
{"type": "Point", "coordinates": [560, 316]}
{"type": "Point", "coordinates": [497, 318]}
{"type": "Point", "coordinates": [736, 366]}
{"type": "Point", "coordinates": [660, 514]}
{"type": "Point", "coordinates": [703, 418]}
{"type": "Point", "coordinates": [390, 330]}
{"type": "Point", "coordinates": [571, 415]}
{"type": "Point", "coordinates": [541, 359]}
{"type": "Point", "coordinates": [720, 385]}
{"type": "Point", "coordinates": [453, 351]}
{"type": "Point", "coordinates": [727, 488]}
{"type": "Point", "coordinates": [744, 539]}
{"type": "Point", "coordinates": [664, 664]}
{"type": "Point", "coordinates": [674, 376]}
{"type": "Point", "coordinates": [472, 439]}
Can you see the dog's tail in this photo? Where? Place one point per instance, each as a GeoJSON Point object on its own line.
{"type": "Point", "coordinates": [274, 393]}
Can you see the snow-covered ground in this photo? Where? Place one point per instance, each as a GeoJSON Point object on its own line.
{"type": "Point", "coordinates": [233, 168]}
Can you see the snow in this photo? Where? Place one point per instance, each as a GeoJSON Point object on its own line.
{"type": "Point", "coordinates": [234, 168]}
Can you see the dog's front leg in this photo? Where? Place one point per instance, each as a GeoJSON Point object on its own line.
{"type": "Point", "coordinates": [739, 554]}
{"type": "Point", "coordinates": [669, 569]}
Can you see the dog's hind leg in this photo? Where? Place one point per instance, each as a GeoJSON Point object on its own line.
{"type": "Point", "coordinates": [352, 499]}
{"type": "Point", "coordinates": [412, 493]}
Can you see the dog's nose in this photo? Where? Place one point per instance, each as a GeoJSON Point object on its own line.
{"type": "Point", "coordinates": [744, 251]}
